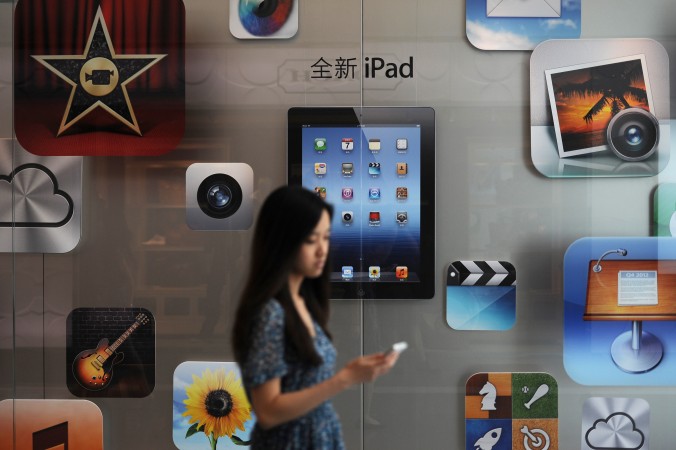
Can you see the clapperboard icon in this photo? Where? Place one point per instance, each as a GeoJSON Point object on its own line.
{"type": "Point", "coordinates": [481, 295]}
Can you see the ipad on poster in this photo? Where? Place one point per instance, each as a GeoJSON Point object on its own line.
{"type": "Point", "coordinates": [376, 166]}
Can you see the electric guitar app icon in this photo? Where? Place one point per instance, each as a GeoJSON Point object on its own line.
{"type": "Point", "coordinates": [102, 76]}
{"type": "Point", "coordinates": [132, 354]}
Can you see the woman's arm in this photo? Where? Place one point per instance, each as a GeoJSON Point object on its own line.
{"type": "Point", "coordinates": [272, 407]}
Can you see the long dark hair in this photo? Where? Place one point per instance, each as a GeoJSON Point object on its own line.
{"type": "Point", "coordinates": [286, 219]}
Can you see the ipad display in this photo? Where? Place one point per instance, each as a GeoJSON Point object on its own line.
{"type": "Point", "coordinates": [376, 167]}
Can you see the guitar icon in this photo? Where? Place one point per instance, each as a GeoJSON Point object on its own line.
{"type": "Point", "coordinates": [93, 368]}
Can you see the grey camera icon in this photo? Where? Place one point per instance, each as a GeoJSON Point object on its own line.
{"type": "Point", "coordinates": [219, 196]}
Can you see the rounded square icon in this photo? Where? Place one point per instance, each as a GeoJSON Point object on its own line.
{"type": "Point", "coordinates": [518, 24]}
{"type": "Point", "coordinates": [347, 217]}
{"type": "Point", "coordinates": [40, 202]}
{"type": "Point", "coordinates": [320, 168]}
{"type": "Point", "coordinates": [50, 425]}
{"type": "Point", "coordinates": [615, 423]}
{"type": "Point", "coordinates": [402, 144]}
{"type": "Point", "coordinates": [347, 193]}
{"type": "Point", "coordinates": [374, 168]}
{"type": "Point", "coordinates": [402, 168]}
{"type": "Point", "coordinates": [401, 272]}
{"type": "Point", "coordinates": [617, 297]}
{"type": "Point", "coordinates": [255, 19]}
{"type": "Point", "coordinates": [347, 144]}
{"type": "Point", "coordinates": [402, 193]}
{"type": "Point", "coordinates": [210, 402]}
{"type": "Point", "coordinates": [347, 272]}
{"type": "Point", "coordinates": [374, 145]}
{"type": "Point", "coordinates": [110, 352]}
{"type": "Point", "coordinates": [374, 218]}
{"type": "Point", "coordinates": [219, 196]}
{"type": "Point", "coordinates": [119, 91]}
{"type": "Point", "coordinates": [374, 193]}
{"type": "Point", "coordinates": [321, 192]}
{"type": "Point", "coordinates": [320, 144]}
{"type": "Point", "coordinates": [481, 295]}
{"type": "Point", "coordinates": [402, 217]}
{"type": "Point", "coordinates": [374, 272]}
{"type": "Point", "coordinates": [522, 406]}
{"type": "Point", "coordinates": [347, 168]}
{"type": "Point", "coordinates": [613, 129]}
{"type": "Point", "coordinates": [664, 210]}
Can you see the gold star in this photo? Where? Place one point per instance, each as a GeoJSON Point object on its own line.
{"type": "Point", "coordinates": [98, 77]}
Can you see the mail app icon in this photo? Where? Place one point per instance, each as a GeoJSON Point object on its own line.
{"type": "Point", "coordinates": [523, 8]}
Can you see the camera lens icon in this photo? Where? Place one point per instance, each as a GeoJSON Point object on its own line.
{"type": "Point", "coordinates": [219, 196]}
{"type": "Point", "coordinates": [348, 216]}
{"type": "Point", "coordinates": [633, 134]}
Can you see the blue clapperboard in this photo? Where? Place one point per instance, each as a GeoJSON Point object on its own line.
{"type": "Point", "coordinates": [481, 295]}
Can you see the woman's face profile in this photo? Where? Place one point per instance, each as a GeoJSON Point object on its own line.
{"type": "Point", "coordinates": [314, 249]}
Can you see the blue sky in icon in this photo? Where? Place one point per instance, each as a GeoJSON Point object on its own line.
{"type": "Point", "coordinates": [182, 379]}
{"type": "Point", "coordinates": [520, 33]}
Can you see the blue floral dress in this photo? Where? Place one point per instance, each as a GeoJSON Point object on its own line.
{"type": "Point", "coordinates": [270, 356]}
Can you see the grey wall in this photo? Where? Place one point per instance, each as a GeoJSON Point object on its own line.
{"type": "Point", "coordinates": [491, 204]}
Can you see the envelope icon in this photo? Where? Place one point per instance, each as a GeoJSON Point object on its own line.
{"type": "Point", "coordinates": [523, 8]}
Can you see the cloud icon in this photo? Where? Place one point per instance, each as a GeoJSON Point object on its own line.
{"type": "Point", "coordinates": [617, 431]}
{"type": "Point", "coordinates": [34, 192]}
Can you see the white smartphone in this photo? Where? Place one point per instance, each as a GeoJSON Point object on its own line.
{"type": "Point", "coordinates": [396, 348]}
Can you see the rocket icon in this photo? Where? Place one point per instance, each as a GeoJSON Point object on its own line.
{"type": "Point", "coordinates": [488, 440]}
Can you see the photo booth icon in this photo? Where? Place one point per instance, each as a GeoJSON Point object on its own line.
{"type": "Point", "coordinates": [481, 295]}
{"type": "Point", "coordinates": [523, 8]}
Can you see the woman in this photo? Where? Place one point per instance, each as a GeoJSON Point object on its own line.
{"type": "Point", "coordinates": [280, 337]}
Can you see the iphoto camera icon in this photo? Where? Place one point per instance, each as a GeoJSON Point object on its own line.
{"type": "Point", "coordinates": [219, 196]}
{"type": "Point", "coordinates": [600, 108]}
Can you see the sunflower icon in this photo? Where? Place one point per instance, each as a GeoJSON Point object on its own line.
{"type": "Point", "coordinates": [217, 406]}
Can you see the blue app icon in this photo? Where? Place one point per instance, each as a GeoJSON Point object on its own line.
{"type": "Point", "coordinates": [618, 314]}
{"type": "Point", "coordinates": [374, 168]}
{"type": "Point", "coordinates": [348, 272]}
{"type": "Point", "coordinates": [374, 193]}
{"type": "Point", "coordinates": [481, 295]}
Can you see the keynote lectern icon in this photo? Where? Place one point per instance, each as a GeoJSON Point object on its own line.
{"type": "Point", "coordinates": [613, 286]}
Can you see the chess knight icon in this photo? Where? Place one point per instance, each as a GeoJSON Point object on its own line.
{"type": "Point", "coordinates": [98, 77]}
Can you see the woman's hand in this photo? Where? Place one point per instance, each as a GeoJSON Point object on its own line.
{"type": "Point", "coordinates": [367, 368]}
{"type": "Point", "coordinates": [274, 407]}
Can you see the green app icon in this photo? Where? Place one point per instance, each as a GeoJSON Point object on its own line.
{"type": "Point", "coordinates": [664, 209]}
{"type": "Point", "coordinates": [534, 395]}
{"type": "Point", "coordinates": [320, 144]}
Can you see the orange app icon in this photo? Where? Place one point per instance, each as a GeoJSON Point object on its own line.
{"type": "Point", "coordinates": [402, 168]}
{"type": "Point", "coordinates": [50, 425]}
{"type": "Point", "coordinates": [401, 272]}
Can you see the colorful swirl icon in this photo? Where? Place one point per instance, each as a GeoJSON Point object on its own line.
{"type": "Point", "coordinates": [263, 18]}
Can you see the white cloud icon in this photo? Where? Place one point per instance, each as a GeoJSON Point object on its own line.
{"type": "Point", "coordinates": [617, 431]}
{"type": "Point", "coordinates": [30, 197]}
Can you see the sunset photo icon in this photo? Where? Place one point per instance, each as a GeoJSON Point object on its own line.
{"type": "Point", "coordinates": [586, 97]}
{"type": "Point", "coordinates": [600, 108]}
